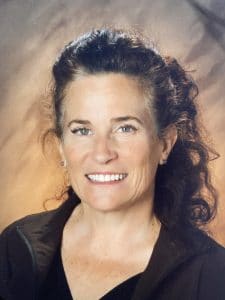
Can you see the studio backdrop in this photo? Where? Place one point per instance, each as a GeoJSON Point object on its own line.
{"type": "Point", "coordinates": [31, 36]}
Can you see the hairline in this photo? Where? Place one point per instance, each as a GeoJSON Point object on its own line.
{"type": "Point", "coordinates": [143, 84]}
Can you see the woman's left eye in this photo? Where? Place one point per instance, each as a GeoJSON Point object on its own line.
{"type": "Point", "coordinates": [127, 128]}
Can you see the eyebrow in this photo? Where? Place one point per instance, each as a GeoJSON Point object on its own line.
{"type": "Point", "coordinates": [127, 118]}
{"type": "Point", "coordinates": [118, 119]}
{"type": "Point", "coordinates": [84, 122]}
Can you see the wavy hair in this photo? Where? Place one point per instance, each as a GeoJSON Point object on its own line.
{"type": "Point", "coordinates": [184, 194]}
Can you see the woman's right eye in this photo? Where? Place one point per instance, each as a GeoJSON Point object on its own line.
{"type": "Point", "coordinates": [81, 131]}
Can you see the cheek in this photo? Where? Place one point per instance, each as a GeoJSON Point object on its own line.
{"type": "Point", "coordinates": [144, 162]}
{"type": "Point", "coordinates": [75, 148]}
{"type": "Point", "coordinates": [143, 152]}
{"type": "Point", "coordinates": [73, 155]}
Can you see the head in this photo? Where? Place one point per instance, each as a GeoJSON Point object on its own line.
{"type": "Point", "coordinates": [103, 81]}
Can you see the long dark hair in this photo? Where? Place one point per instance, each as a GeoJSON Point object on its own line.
{"type": "Point", "coordinates": [184, 193]}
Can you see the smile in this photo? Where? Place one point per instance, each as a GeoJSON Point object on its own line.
{"type": "Point", "coordinates": [106, 177]}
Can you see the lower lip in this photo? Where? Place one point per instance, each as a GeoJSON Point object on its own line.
{"type": "Point", "coordinates": [106, 182]}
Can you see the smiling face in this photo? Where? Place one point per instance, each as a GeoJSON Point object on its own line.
{"type": "Point", "coordinates": [110, 141]}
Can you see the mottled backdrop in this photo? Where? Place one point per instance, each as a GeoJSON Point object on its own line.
{"type": "Point", "coordinates": [32, 34]}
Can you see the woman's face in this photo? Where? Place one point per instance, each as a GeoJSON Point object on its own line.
{"type": "Point", "coordinates": [109, 142]}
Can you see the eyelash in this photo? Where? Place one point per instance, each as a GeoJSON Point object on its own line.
{"type": "Point", "coordinates": [76, 130]}
{"type": "Point", "coordinates": [128, 126]}
{"type": "Point", "coordinates": [79, 129]}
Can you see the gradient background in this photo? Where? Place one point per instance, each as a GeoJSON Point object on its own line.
{"type": "Point", "coordinates": [31, 36]}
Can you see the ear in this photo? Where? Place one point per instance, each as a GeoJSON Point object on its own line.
{"type": "Point", "coordinates": [168, 140]}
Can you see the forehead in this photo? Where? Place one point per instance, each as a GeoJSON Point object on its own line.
{"type": "Point", "coordinates": [110, 93]}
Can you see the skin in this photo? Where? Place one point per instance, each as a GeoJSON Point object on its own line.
{"type": "Point", "coordinates": [123, 210]}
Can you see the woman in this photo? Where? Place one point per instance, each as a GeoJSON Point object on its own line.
{"type": "Point", "coordinates": [139, 190]}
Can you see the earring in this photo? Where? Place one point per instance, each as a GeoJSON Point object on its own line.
{"type": "Point", "coordinates": [63, 163]}
{"type": "Point", "coordinates": [163, 162]}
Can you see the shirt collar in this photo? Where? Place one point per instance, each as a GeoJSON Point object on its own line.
{"type": "Point", "coordinates": [171, 249]}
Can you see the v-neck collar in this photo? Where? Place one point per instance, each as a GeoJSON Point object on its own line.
{"type": "Point", "coordinates": [44, 234]}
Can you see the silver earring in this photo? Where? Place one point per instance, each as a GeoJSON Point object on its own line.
{"type": "Point", "coordinates": [163, 162]}
{"type": "Point", "coordinates": [63, 163]}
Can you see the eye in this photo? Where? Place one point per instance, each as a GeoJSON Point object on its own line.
{"type": "Point", "coordinates": [127, 128]}
{"type": "Point", "coordinates": [81, 131]}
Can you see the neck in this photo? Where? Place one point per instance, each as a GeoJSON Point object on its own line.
{"type": "Point", "coordinates": [131, 225]}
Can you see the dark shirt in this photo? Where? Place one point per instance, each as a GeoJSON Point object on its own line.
{"type": "Point", "coordinates": [185, 263]}
{"type": "Point", "coordinates": [56, 287]}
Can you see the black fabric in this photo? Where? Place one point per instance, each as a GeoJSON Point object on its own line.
{"type": "Point", "coordinates": [56, 286]}
{"type": "Point", "coordinates": [184, 265]}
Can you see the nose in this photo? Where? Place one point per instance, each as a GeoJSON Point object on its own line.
{"type": "Point", "coordinates": [103, 150]}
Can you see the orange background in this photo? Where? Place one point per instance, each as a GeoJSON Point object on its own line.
{"type": "Point", "coordinates": [32, 34]}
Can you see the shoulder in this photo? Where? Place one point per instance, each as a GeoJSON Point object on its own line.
{"type": "Point", "coordinates": [8, 237]}
{"type": "Point", "coordinates": [20, 244]}
{"type": "Point", "coordinates": [211, 284]}
{"type": "Point", "coordinates": [208, 250]}
{"type": "Point", "coordinates": [213, 263]}
{"type": "Point", "coordinates": [214, 257]}
{"type": "Point", "coordinates": [10, 247]}
{"type": "Point", "coordinates": [196, 251]}
{"type": "Point", "coordinates": [212, 252]}
{"type": "Point", "coordinates": [217, 251]}
{"type": "Point", "coordinates": [29, 219]}
{"type": "Point", "coordinates": [209, 267]}
{"type": "Point", "coordinates": [55, 217]}
{"type": "Point", "coordinates": [194, 262]}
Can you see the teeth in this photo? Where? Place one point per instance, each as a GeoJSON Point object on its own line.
{"type": "Point", "coordinates": [106, 178]}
